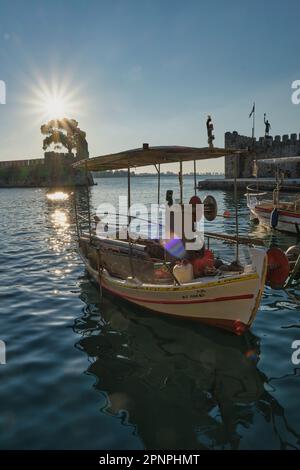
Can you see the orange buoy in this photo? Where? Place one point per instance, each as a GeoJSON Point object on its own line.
{"type": "Point", "coordinates": [278, 268]}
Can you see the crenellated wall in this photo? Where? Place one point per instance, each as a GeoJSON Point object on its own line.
{"type": "Point", "coordinates": [279, 146]}
{"type": "Point", "coordinates": [55, 169]}
{"type": "Point", "coordinates": [22, 163]}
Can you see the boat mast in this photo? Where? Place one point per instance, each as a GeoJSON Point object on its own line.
{"type": "Point", "coordinates": [236, 210]}
{"type": "Point", "coordinates": [277, 188]}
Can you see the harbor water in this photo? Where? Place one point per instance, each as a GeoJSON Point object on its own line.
{"type": "Point", "coordinates": [85, 372]}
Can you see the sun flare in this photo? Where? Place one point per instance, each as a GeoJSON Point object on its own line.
{"type": "Point", "coordinates": [53, 100]}
{"type": "Point", "coordinates": [55, 107]}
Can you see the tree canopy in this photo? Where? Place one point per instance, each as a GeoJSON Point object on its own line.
{"type": "Point", "coordinates": [65, 133]}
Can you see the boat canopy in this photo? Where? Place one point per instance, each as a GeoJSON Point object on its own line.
{"type": "Point", "coordinates": [278, 161]}
{"type": "Point", "coordinates": [152, 156]}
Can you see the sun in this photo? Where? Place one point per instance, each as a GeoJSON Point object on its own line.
{"type": "Point", "coordinates": [55, 107]}
{"type": "Point", "coordinates": [55, 104]}
{"type": "Point", "coordinates": [53, 100]}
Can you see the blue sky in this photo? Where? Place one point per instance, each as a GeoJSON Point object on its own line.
{"type": "Point", "coordinates": [148, 70]}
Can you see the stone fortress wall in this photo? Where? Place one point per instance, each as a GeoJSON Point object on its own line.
{"type": "Point", "coordinates": [22, 163]}
{"type": "Point", "coordinates": [264, 147]}
{"type": "Point", "coordinates": [55, 169]}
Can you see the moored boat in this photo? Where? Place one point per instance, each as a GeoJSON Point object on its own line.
{"type": "Point", "coordinates": [143, 272]}
{"type": "Point", "coordinates": [276, 213]}
{"type": "Point", "coordinates": [229, 300]}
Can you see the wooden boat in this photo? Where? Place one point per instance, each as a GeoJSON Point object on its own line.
{"type": "Point", "coordinates": [129, 270]}
{"type": "Point", "coordinates": [288, 215]}
{"type": "Point", "coordinates": [283, 215]}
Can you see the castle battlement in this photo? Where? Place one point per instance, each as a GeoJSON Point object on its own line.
{"type": "Point", "coordinates": [21, 163]}
{"type": "Point", "coordinates": [263, 147]}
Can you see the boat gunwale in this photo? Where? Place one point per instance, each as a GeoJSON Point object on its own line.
{"type": "Point", "coordinates": [190, 286]}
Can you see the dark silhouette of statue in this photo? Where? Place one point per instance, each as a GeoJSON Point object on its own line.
{"type": "Point", "coordinates": [210, 128]}
{"type": "Point", "coordinates": [267, 126]}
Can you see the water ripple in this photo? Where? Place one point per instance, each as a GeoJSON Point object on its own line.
{"type": "Point", "coordinates": [88, 373]}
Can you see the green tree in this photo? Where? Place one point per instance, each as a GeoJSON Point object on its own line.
{"type": "Point", "coordinates": [65, 133]}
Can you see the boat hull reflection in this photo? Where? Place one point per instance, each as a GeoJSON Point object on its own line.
{"type": "Point", "coordinates": [177, 385]}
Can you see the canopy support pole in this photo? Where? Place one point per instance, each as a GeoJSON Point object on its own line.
{"type": "Point", "coordinates": [129, 219]}
{"type": "Point", "coordinates": [157, 167]}
{"type": "Point", "coordinates": [88, 201]}
{"type": "Point", "coordinates": [181, 182]}
{"type": "Point", "coordinates": [128, 193]}
{"type": "Point", "coordinates": [195, 178]}
{"type": "Point", "coordinates": [76, 214]}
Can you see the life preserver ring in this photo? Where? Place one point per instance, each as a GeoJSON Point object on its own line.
{"type": "Point", "coordinates": [274, 218]}
{"type": "Point", "coordinates": [194, 201]}
{"type": "Point", "coordinates": [210, 208]}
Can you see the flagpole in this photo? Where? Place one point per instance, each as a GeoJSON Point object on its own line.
{"type": "Point", "coordinates": [253, 123]}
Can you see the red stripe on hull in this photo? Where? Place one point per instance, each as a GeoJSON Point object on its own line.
{"type": "Point", "coordinates": [280, 212]}
{"type": "Point", "coordinates": [233, 326]}
{"type": "Point", "coordinates": [182, 302]}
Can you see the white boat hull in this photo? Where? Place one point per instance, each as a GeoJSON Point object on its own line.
{"type": "Point", "coordinates": [229, 301]}
{"type": "Point", "coordinates": [287, 221]}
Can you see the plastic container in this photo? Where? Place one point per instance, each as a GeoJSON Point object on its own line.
{"type": "Point", "coordinates": [183, 272]}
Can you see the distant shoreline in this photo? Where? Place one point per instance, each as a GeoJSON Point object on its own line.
{"type": "Point", "coordinates": [164, 175]}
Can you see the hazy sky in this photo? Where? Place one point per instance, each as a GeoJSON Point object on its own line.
{"type": "Point", "coordinates": [147, 70]}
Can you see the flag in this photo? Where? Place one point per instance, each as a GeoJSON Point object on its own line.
{"type": "Point", "coordinates": [253, 110]}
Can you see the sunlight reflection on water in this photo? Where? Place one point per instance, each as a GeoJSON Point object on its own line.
{"type": "Point", "coordinates": [132, 380]}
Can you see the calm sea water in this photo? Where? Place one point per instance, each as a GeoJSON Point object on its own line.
{"type": "Point", "coordinates": [83, 373]}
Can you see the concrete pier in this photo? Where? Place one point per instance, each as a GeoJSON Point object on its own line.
{"type": "Point", "coordinates": [264, 184]}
